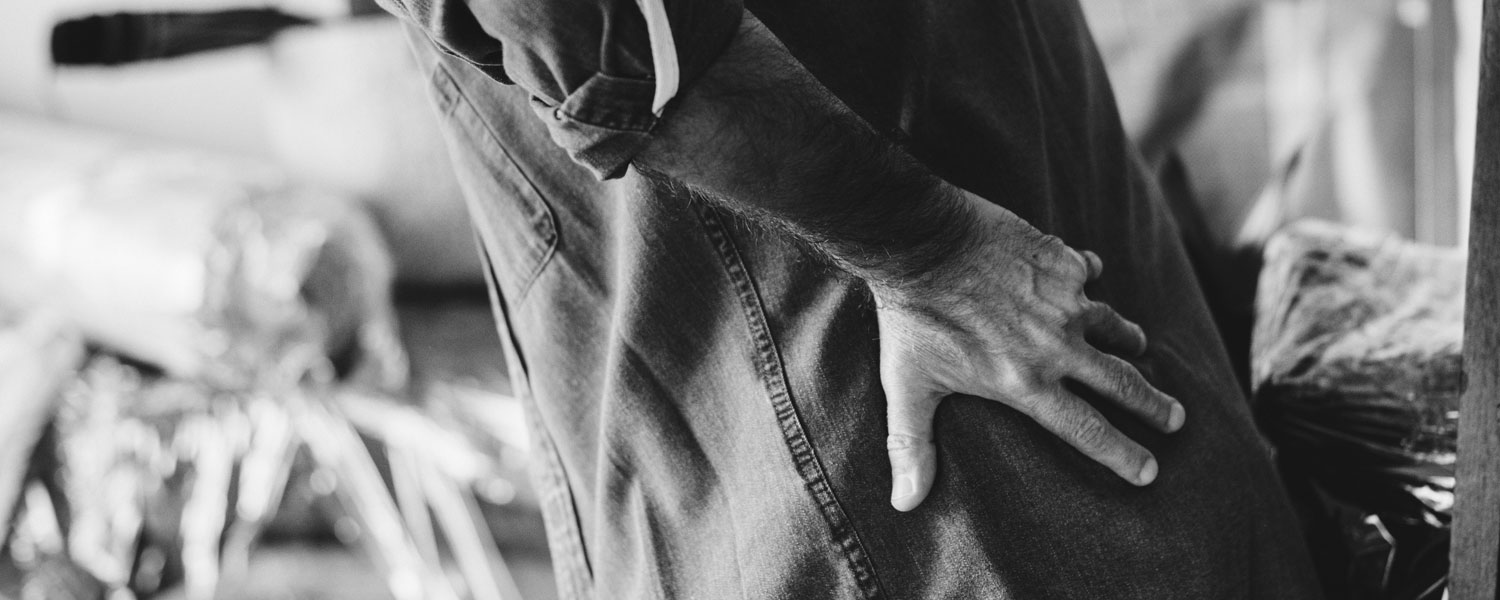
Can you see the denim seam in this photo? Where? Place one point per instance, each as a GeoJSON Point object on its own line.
{"type": "Point", "coordinates": [574, 581]}
{"type": "Point", "coordinates": [804, 456]}
{"type": "Point", "coordinates": [539, 217]}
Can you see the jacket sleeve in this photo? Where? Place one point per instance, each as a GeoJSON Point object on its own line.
{"type": "Point", "coordinates": [600, 72]}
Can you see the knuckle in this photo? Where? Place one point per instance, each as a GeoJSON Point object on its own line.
{"type": "Point", "coordinates": [1123, 381]}
{"type": "Point", "coordinates": [1019, 381]}
{"type": "Point", "coordinates": [1053, 320]}
{"type": "Point", "coordinates": [1136, 387]}
{"type": "Point", "coordinates": [1079, 315]}
{"type": "Point", "coordinates": [1073, 308]}
{"type": "Point", "coordinates": [1091, 434]}
{"type": "Point", "coordinates": [1103, 312]}
{"type": "Point", "coordinates": [1058, 253]}
{"type": "Point", "coordinates": [1119, 377]}
{"type": "Point", "coordinates": [1044, 340]}
{"type": "Point", "coordinates": [897, 442]}
{"type": "Point", "coordinates": [1136, 391]}
{"type": "Point", "coordinates": [1099, 314]}
{"type": "Point", "coordinates": [1052, 317]}
{"type": "Point", "coordinates": [1048, 241]}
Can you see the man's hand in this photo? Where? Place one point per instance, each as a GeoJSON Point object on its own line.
{"type": "Point", "coordinates": [973, 300]}
{"type": "Point", "coordinates": [1005, 318]}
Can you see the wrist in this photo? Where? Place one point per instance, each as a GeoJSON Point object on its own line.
{"type": "Point", "coordinates": [958, 224]}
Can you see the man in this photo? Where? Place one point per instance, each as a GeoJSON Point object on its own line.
{"type": "Point", "coordinates": [804, 316]}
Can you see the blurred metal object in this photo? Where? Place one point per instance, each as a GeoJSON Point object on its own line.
{"type": "Point", "coordinates": [335, 444]}
{"type": "Point", "coordinates": [56, 578]}
{"type": "Point", "coordinates": [445, 468]}
{"type": "Point", "coordinates": [122, 38]}
{"type": "Point", "coordinates": [156, 466]}
{"type": "Point", "coordinates": [38, 353]}
{"type": "Point", "coordinates": [209, 267]}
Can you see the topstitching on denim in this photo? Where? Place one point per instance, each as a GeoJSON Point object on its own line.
{"type": "Point", "coordinates": [768, 364]}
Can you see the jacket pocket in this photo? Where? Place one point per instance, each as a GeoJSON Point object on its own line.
{"type": "Point", "coordinates": [514, 222]}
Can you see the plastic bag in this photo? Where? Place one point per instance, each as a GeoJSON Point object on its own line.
{"type": "Point", "coordinates": [1357, 372]}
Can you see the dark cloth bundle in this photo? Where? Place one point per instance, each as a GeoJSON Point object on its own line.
{"type": "Point", "coordinates": [1357, 370]}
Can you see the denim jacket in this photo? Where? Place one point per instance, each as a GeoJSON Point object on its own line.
{"type": "Point", "coordinates": [705, 394]}
{"type": "Point", "coordinates": [589, 66]}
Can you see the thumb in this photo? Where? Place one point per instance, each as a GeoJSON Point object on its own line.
{"type": "Point", "coordinates": [912, 452]}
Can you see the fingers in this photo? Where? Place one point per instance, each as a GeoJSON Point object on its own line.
{"type": "Point", "coordinates": [1092, 263]}
{"type": "Point", "coordinates": [912, 452]}
{"type": "Point", "coordinates": [1104, 327]}
{"type": "Point", "coordinates": [1119, 381]}
{"type": "Point", "coordinates": [1068, 417]}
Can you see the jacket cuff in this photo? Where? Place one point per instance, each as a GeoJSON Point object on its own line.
{"type": "Point", "coordinates": [608, 120]}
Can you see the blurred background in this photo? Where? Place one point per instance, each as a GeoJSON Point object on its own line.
{"type": "Point", "coordinates": [246, 349]}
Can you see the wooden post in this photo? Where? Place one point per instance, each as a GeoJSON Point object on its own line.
{"type": "Point", "coordinates": [1475, 570]}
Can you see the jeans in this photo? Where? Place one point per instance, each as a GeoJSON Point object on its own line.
{"type": "Point", "coordinates": [705, 396]}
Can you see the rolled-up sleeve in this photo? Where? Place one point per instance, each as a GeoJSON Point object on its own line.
{"type": "Point", "coordinates": [600, 72]}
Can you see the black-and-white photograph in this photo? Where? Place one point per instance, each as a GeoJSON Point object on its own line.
{"type": "Point", "coordinates": [750, 300]}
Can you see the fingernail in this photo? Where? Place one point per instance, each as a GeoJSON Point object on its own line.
{"type": "Point", "coordinates": [1148, 473]}
{"type": "Point", "coordinates": [906, 486]}
{"type": "Point", "coordinates": [1177, 418]}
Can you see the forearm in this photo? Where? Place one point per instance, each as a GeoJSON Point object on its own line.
{"type": "Point", "coordinates": [760, 135]}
